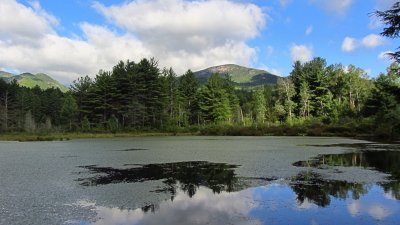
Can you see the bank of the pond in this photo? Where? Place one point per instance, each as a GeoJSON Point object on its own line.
{"type": "Point", "coordinates": [65, 136]}
{"type": "Point", "coordinates": [213, 130]}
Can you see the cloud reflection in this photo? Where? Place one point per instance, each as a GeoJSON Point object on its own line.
{"type": "Point", "coordinates": [203, 208]}
{"type": "Point", "coordinates": [376, 210]}
{"type": "Point", "coordinates": [260, 205]}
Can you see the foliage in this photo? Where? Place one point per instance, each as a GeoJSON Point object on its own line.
{"type": "Point", "coordinates": [316, 99]}
{"type": "Point", "coordinates": [391, 18]}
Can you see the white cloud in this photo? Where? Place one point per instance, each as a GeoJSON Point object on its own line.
{"type": "Point", "coordinates": [23, 25]}
{"type": "Point", "coordinates": [372, 41]}
{"type": "Point", "coordinates": [339, 7]}
{"type": "Point", "coordinates": [301, 53]}
{"type": "Point", "coordinates": [349, 44]}
{"type": "Point", "coordinates": [309, 30]}
{"type": "Point", "coordinates": [182, 34]}
{"type": "Point", "coordinates": [191, 28]}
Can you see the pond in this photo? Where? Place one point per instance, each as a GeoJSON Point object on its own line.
{"type": "Point", "coordinates": [200, 180]}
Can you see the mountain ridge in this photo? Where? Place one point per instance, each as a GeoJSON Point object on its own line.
{"type": "Point", "coordinates": [30, 80]}
{"type": "Point", "coordinates": [241, 76]}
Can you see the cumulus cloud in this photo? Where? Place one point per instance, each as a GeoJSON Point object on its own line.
{"type": "Point", "coordinates": [199, 30]}
{"type": "Point", "coordinates": [339, 7]}
{"type": "Point", "coordinates": [309, 30]}
{"type": "Point", "coordinates": [32, 22]}
{"type": "Point", "coordinates": [350, 44]}
{"type": "Point", "coordinates": [372, 41]}
{"type": "Point", "coordinates": [301, 53]}
{"type": "Point", "coordinates": [181, 34]}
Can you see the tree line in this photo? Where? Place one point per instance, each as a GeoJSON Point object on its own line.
{"type": "Point", "coordinates": [141, 96]}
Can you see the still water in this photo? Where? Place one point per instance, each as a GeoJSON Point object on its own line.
{"type": "Point", "coordinates": [200, 180]}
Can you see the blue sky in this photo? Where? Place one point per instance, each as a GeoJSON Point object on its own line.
{"type": "Point", "coordinates": [72, 38]}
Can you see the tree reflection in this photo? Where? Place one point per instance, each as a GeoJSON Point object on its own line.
{"type": "Point", "coordinates": [312, 187]}
{"type": "Point", "coordinates": [385, 161]}
{"type": "Point", "coordinates": [187, 175]}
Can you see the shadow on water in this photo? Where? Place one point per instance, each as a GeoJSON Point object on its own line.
{"type": "Point", "coordinates": [189, 175]}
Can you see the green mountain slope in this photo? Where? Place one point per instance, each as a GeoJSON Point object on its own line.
{"type": "Point", "coordinates": [5, 74]}
{"type": "Point", "coordinates": [30, 80]}
{"type": "Point", "coordinates": [241, 76]}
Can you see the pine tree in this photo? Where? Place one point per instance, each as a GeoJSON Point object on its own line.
{"type": "Point", "coordinates": [188, 87]}
{"type": "Point", "coordinates": [69, 110]}
{"type": "Point", "coordinates": [214, 102]}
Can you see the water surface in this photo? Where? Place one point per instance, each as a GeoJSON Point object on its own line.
{"type": "Point", "coordinates": [200, 180]}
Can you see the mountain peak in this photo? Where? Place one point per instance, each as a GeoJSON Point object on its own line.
{"type": "Point", "coordinates": [241, 76]}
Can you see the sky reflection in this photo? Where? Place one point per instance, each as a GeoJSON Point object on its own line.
{"type": "Point", "coordinates": [272, 204]}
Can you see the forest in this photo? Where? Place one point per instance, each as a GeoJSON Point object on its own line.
{"type": "Point", "coordinates": [315, 99]}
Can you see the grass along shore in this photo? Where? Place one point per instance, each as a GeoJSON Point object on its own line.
{"type": "Point", "coordinates": [364, 132]}
{"type": "Point", "coordinates": [23, 136]}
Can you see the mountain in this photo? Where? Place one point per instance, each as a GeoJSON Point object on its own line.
{"type": "Point", "coordinates": [44, 81]}
{"type": "Point", "coordinates": [241, 76]}
{"type": "Point", "coordinates": [5, 74]}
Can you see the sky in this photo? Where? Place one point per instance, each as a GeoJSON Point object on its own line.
{"type": "Point", "coordinates": [68, 39]}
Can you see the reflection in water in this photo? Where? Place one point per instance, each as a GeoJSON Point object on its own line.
{"type": "Point", "coordinates": [190, 175]}
{"type": "Point", "coordinates": [311, 187]}
{"type": "Point", "coordinates": [383, 161]}
{"type": "Point", "coordinates": [206, 207]}
{"type": "Point", "coordinates": [271, 204]}
{"type": "Point", "coordinates": [211, 193]}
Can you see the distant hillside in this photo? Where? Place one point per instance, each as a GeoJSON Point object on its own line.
{"type": "Point", "coordinates": [242, 76]}
{"type": "Point", "coordinates": [30, 80]}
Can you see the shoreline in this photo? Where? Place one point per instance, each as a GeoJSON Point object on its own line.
{"type": "Point", "coordinates": [66, 136]}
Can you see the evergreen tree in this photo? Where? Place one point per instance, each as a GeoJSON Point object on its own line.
{"type": "Point", "coordinates": [188, 86]}
{"type": "Point", "coordinates": [384, 103]}
{"type": "Point", "coordinates": [172, 106]}
{"type": "Point", "coordinates": [391, 18]}
{"type": "Point", "coordinates": [69, 110]}
{"type": "Point", "coordinates": [214, 102]}
{"type": "Point", "coordinates": [80, 90]}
